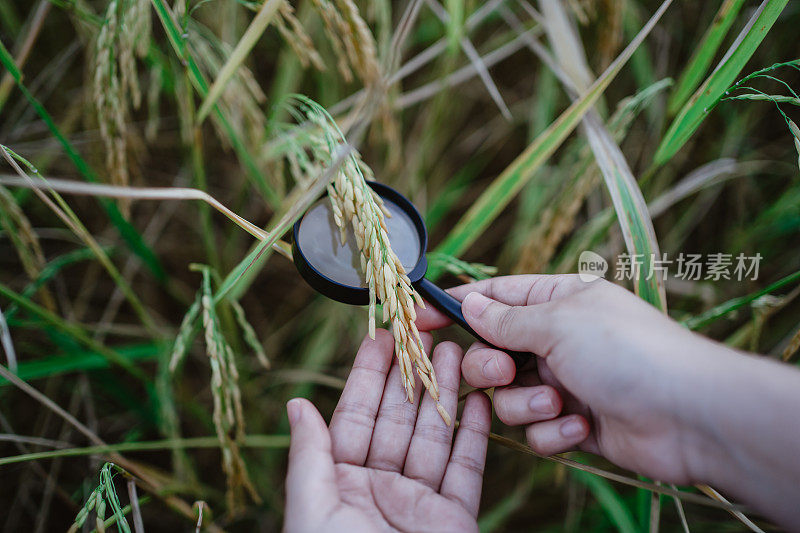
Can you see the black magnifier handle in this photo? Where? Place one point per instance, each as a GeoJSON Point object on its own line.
{"type": "Point", "coordinates": [452, 308]}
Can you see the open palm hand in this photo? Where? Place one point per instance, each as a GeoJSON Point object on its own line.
{"type": "Point", "coordinates": [386, 464]}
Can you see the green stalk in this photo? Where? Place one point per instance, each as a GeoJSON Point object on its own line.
{"type": "Point", "coordinates": [715, 313]}
{"type": "Point", "coordinates": [709, 93]}
{"type": "Point", "coordinates": [704, 54]}
{"type": "Point", "coordinates": [73, 331]}
{"type": "Point", "coordinates": [178, 41]}
{"type": "Point", "coordinates": [505, 187]}
{"type": "Point", "coordinates": [249, 441]}
{"type": "Point", "coordinates": [610, 501]}
{"type": "Point", "coordinates": [128, 233]}
{"type": "Point", "coordinates": [65, 213]}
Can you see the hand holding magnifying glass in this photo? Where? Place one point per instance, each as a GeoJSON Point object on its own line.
{"type": "Point", "coordinates": [332, 268]}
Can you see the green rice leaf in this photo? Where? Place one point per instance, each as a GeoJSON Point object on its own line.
{"type": "Point", "coordinates": [506, 186]}
{"type": "Point", "coordinates": [704, 54]}
{"type": "Point", "coordinates": [608, 498]}
{"type": "Point", "coordinates": [81, 361]}
{"type": "Point", "coordinates": [73, 331]}
{"type": "Point", "coordinates": [708, 94]}
{"type": "Point", "coordinates": [249, 441]}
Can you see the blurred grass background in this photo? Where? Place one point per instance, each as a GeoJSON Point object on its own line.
{"type": "Point", "coordinates": [525, 132]}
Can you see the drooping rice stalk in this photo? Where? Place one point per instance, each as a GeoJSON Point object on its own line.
{"type": "Point", "coordinates": [228, 414]}
{"type": "Point", "coordinates": [29, 250]}
{"type": "Point", "coordinates": [741, 90]}
{"type": "Point", "coordinates": [122, 37]}
{"type": "Point", "coordinates": [468, 272]}
{"type": "Point", "coordinates": [356, 205]}
{"type": "Point", "coordinates": [105, 495]}
{"type": "Point", "coordinates": [351, 39]}
{"type": "Point", "coordinates": [295, 35]}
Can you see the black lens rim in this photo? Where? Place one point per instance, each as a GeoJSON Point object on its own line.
{"type": "Point", "coordinates": [360, 295]}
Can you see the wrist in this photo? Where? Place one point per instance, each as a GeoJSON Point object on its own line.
{"type": "Point", "coordinates": [705, 379]}
{"type": "Point", "coordinates": [732, 411]}
{"type": "Point", "coordinates": [739, 412]}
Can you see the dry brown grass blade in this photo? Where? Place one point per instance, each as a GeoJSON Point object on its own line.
{"type": "Point", "coordinates": [420, 60]}
{"type": "Point", "coordinates": [793, 346]}
{"type": "Point", "coordinates": [400, 35]}
{"type": "Point", "coordinates": [680, 511]}
{"type": "Point", "coordinates": [716, 496]}
{"type": "Point", "coordinates": [565, 41]}
{"type": "Point", "coordinates": [134, 193]}
{"type": "Point", "coordinates": [21, 57]}
{"type": "Point", "coordinates": [301, 375]}
{"type": "Point", "coordinates": [463, 74]}
{"type": "Point", "coordinates": [136, 511]}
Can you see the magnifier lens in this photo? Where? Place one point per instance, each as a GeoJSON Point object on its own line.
{"type": "Point", "coordinates": [319, 239]}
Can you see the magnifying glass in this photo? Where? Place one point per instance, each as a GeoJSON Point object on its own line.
{"type": "Point", "coordinates": [333, 268]}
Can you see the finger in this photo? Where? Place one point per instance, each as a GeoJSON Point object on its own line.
{"type": "Point", "coordinates": [464, 475]}
{"type": "Point", "coordinates": [516, 406]}
{"type": "Point", "coordinates": [429, 318]}
{"type": "Point", "coordinates": [395, 422]}
{"type": "Point", "coordinates": [485, 367]}
{"type": "Point", "coordinates": [525, 289]}
{"type": "Point", "coordinates": [354, 417]}
{"type": "Point", "coordinates": [529, 289]}
{"type": "Point", "coordinates": [523, 328]}
{"type": "Point", "coordinates": [430, 445]}
{"type": "Point", "coordinates": [558, 435]}
{"type": "Point", "coordinates": [311, 489]}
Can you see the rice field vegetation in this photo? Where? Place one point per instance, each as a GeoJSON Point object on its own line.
{"type": "Point", "coordinates": [155, 154]}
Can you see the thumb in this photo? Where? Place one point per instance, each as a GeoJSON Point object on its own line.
{"type": "Point", "coordinates": [520, 328]}
{"type": "Point", "coordinates": [311, 490]}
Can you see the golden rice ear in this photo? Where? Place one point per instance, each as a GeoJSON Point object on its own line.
{"type": "Point", "coordinates": [353, 201]}
{"type": "Point", "coordinates": [295, 35]}
{"type": "Point", "coordinates": [350, 38]}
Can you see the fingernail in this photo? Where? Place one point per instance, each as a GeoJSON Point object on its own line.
{"type": "Point", "coordinates": [491, 370]}
{"type": "Point", "coordinates": [293, 411]}
{"type": "Point", "coordinates": [474, 304]}
{"type": "Point", "coordinates": [541, 403]}
{"type": "Point", "coordinates": [571, 429]}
